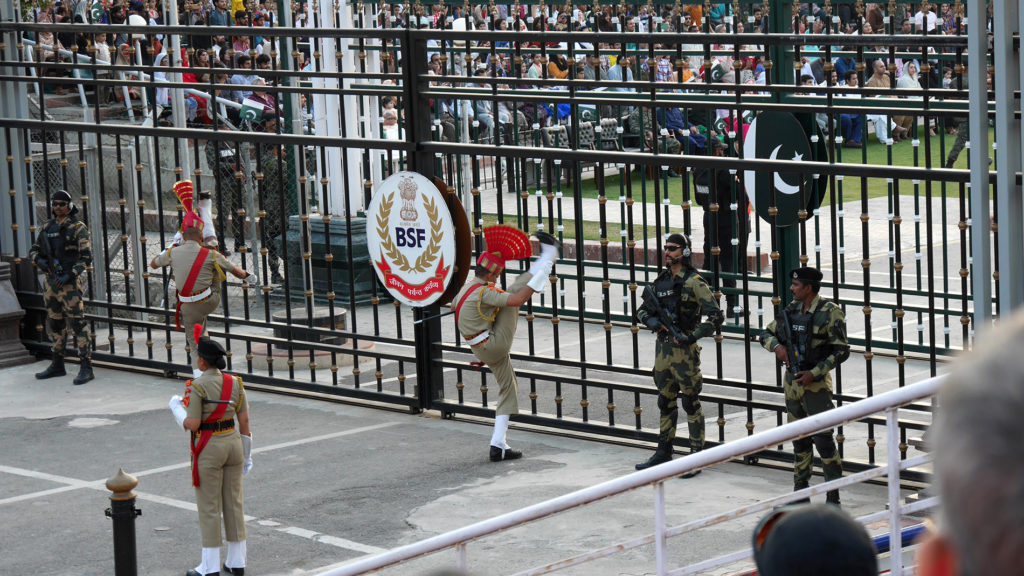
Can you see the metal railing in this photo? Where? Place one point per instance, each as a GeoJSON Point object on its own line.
{"type": "Point", "coordinates": [889, 403]}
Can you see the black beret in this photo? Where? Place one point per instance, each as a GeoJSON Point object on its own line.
{"type": "Point", "coordinates": [806, 275]}
{"type": "Point", "coordinates": [212, 352]}
{"type": "Point", "coordinates": [61, 195]}
{"type": "Point", "coordinates": [679, 240]}
{"type": "Point", "coordinates": [811, 540]}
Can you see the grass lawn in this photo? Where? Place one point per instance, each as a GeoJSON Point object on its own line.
{"type": "Point", "coordinates": [874, 153]}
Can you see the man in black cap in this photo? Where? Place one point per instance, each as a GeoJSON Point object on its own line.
{"type": "Point", "coordinates": [726, 221]}
{"type": "Point", "coordinates": [220, 455]}
{"type": "Point", "coordinates": [683, 298]}
{"type": "Point", "coordinates": [63, 252]}
{"type": "Point", "coordinates": [817, 344]}
{"type": "Point", "coordinates": [813, 540]}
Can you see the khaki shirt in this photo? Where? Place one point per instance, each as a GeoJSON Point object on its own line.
{"type": "Point", "coordinates": [209, 386]}
{"type": "Point", "coordinates": [180, 259]}
{"type": "Point", "coordinates": [480, 308]}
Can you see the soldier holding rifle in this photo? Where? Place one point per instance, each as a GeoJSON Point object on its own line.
{"type": "Point", "coordinates": [63, 251]}
{"type": "Point", "coordinates": [810, 338]}
{"type": "Point", "coordinates": [673, 308]}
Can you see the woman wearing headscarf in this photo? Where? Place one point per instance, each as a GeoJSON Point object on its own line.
{"type": "Point", "coordinates": [909, 81]}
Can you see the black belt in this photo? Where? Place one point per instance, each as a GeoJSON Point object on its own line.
{"type": "Point", "coordinates": [219, 426]}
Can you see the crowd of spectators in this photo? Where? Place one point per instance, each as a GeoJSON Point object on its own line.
{"type": "Point", "coordinates": [854, 66]}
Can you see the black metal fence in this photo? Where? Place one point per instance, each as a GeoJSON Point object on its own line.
{"type": "Point", "coordinates": [546, 129]}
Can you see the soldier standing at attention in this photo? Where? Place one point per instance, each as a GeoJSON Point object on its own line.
{"type": "Point", "coordinates": [63, 251]}
{"type": "Point", "coordinates": [487, 316]}
{"type": "Point", "coordinates": [683, 297]}
{"type": "Point", "coordinates": [221, 455]}
{"type": "Point", "coordinates": [198, 272]}
{"type": "Point", "coordinates": [818, 333]}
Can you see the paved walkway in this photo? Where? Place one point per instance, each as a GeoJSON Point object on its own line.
{"type": "Point", "coordinates": [332, 482]}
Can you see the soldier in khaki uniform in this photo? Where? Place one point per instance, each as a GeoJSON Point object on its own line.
{"type": "Point", "coordinates": [487, 316]}
{"type": "Point", "coordinates": [683, 297]}
{"type": "Point", "coordinates": [221, 455]}
{"type": "Point", "coordinates": [205, 267]}
{"type": "Point", "coordinates": [817, 329]}
{"type": "Point", "coordinates": [63, 252]}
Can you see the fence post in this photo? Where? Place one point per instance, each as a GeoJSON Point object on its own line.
{"type": "Point", "coordinates": [123, 512]}
{"type": "Point", "coordinates": [429, 377]}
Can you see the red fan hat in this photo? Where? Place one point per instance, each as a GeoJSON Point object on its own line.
{"type": "Point", "coordinates": [503, 243]}
{"type": "Point", "coordinates": [184, 191]}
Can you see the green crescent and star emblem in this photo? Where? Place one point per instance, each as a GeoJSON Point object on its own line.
{"type": "Point", "coordinates": [96, 11]}
{"type": "Point", "coordinates": [252, 110]}
{"type": "Point", "coordinates": [780, 136]}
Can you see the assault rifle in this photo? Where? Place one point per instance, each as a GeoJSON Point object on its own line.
{"type": "Point", "coordinates": [785, 336]}
{"type": "Point", "coordinates": [650, 300]}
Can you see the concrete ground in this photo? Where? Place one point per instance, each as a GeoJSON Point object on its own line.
{"type": "Point", "coordinates": [332, 482]}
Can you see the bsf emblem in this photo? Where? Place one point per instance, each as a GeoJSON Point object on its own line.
{"type": "Point", "coordinates": [410, 236]}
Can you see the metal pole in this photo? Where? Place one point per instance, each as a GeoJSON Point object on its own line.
{"type": "Point", "coordinates": [123, 512]}
{"type": "Point", "coordinates": [14, 177]}
{"type": "Point", "coordinates": [661, 562]}
{"type": "Point", "coordinates": [981, 229]}
{"type": "Point", "coordinates": [1008, 162]}
{"type": "Point", "coordinates": [892, 430]}
{"type": "Point", "coordinates": [177, 97]}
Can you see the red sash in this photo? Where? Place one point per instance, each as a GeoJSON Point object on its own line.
{"type": "Point", "coordinates": [205, 435]}
{"type": "Point", "coordinates": [189, 282]}
{"type": "Point", "coordinates": [463, 301]}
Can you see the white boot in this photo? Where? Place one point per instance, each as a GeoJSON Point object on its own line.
{"type": "Point", "coordinates": [211, 561]}
{"type": "Point", "coordinates": [500, 430]}
{"type": "Point", "coordinates": [236, 555]}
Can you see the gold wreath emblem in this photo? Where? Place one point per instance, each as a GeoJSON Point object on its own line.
{"type": "Point", "coordinates": [426, 259]}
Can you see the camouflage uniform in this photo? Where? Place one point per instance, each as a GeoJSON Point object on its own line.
{"type": "Point", "coordinates": [643, 122]}
{"type": "Point", "coordinates": [686, 297]}
{"type": "Point", "coordinates": [68, 253]}
{"type": "Point", "coordinates": [822, 349]}
{"type": "Point", "coordinates": [272, 197]}
{"type": "Point", "coordinates": [222, 157]}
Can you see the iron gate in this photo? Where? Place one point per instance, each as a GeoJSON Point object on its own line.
{"type": "Point", "coordinates": [893, 236]}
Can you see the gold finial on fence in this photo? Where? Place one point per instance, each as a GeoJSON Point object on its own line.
{"type": "Point", "coordinates": [736, 14]}
{"type": "Point", "coordinates": [859, 6]}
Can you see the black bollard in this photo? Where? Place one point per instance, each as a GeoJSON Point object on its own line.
{"type": "Point", "coordinates": [123, 512]}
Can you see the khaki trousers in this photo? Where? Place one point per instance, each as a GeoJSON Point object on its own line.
{"type": "Point", "coordinates": [220, 490]}
{"type": "Point", "coordinates": [494, 352]}
{"type": "Point", "coordinates": [193, 313]}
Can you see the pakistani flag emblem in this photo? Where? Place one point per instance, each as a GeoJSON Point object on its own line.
{"type": "Point", "coordinates": [779, 136]}
{"type": "Point", "coordinates": [252, 110]}
{"type": "Point", "coordinates": [96, 11]}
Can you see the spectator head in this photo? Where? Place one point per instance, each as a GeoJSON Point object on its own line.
{"type": "Point", "coordinates": [138, 7]}
{"type": "Point", "coordinates": [257, 19]}
{"type": "Point", "coordinates": [263, 62]}
{"type": "Point", "coordinates": [117, 15]}
{"type": "Point", "coordinates": [811, 540]}
{"type": "Point", "coordinates": [223, 4]}
{"type": "Point", "coordinates": [806, 80]}
{"type": "Point", "coordinates": [905, 28]}
{"type": "Point", "coordinates": [269, 122]}
{"type": "Point", "coordinates": [867, 29]}
{"type": "Point", "coordinates": [243, 61]}
{"type": "Point", "coordinates": [851, 78]}
{"type": "Point", "coordinates": [241, 17]}
{"type": "Point", "coordinates": [879, 67]}
{"type": "Point", "coordinates": [979, 461]}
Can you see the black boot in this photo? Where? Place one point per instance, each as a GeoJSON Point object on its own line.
{"type": "Point", "coordinates": [661, 455]}
{"type": "Point", "coordinates": [56, 368]}
{"type": "Point", "coordinates": [832, 497]}
{"type": "Point", "coordinates": [801, 486]}
{"type": "Point", "coordinates": [84, 372]}
{"type": "Point", "coordinates": [498, 454]}
{"type": "Point", "coordinates": [545, 238]}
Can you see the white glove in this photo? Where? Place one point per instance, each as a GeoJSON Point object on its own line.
{"type": "Point", "coordinates": [540, 280]}
{"type": "Point", "coordinates": [178, 409]}
{"type": "Point", "coordinates": [250, 280]}
{"type": "Point", "coordinates": [247, 452]}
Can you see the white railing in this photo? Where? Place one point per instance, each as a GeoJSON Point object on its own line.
{"type": "Point", "coordinates": [889, 403]}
